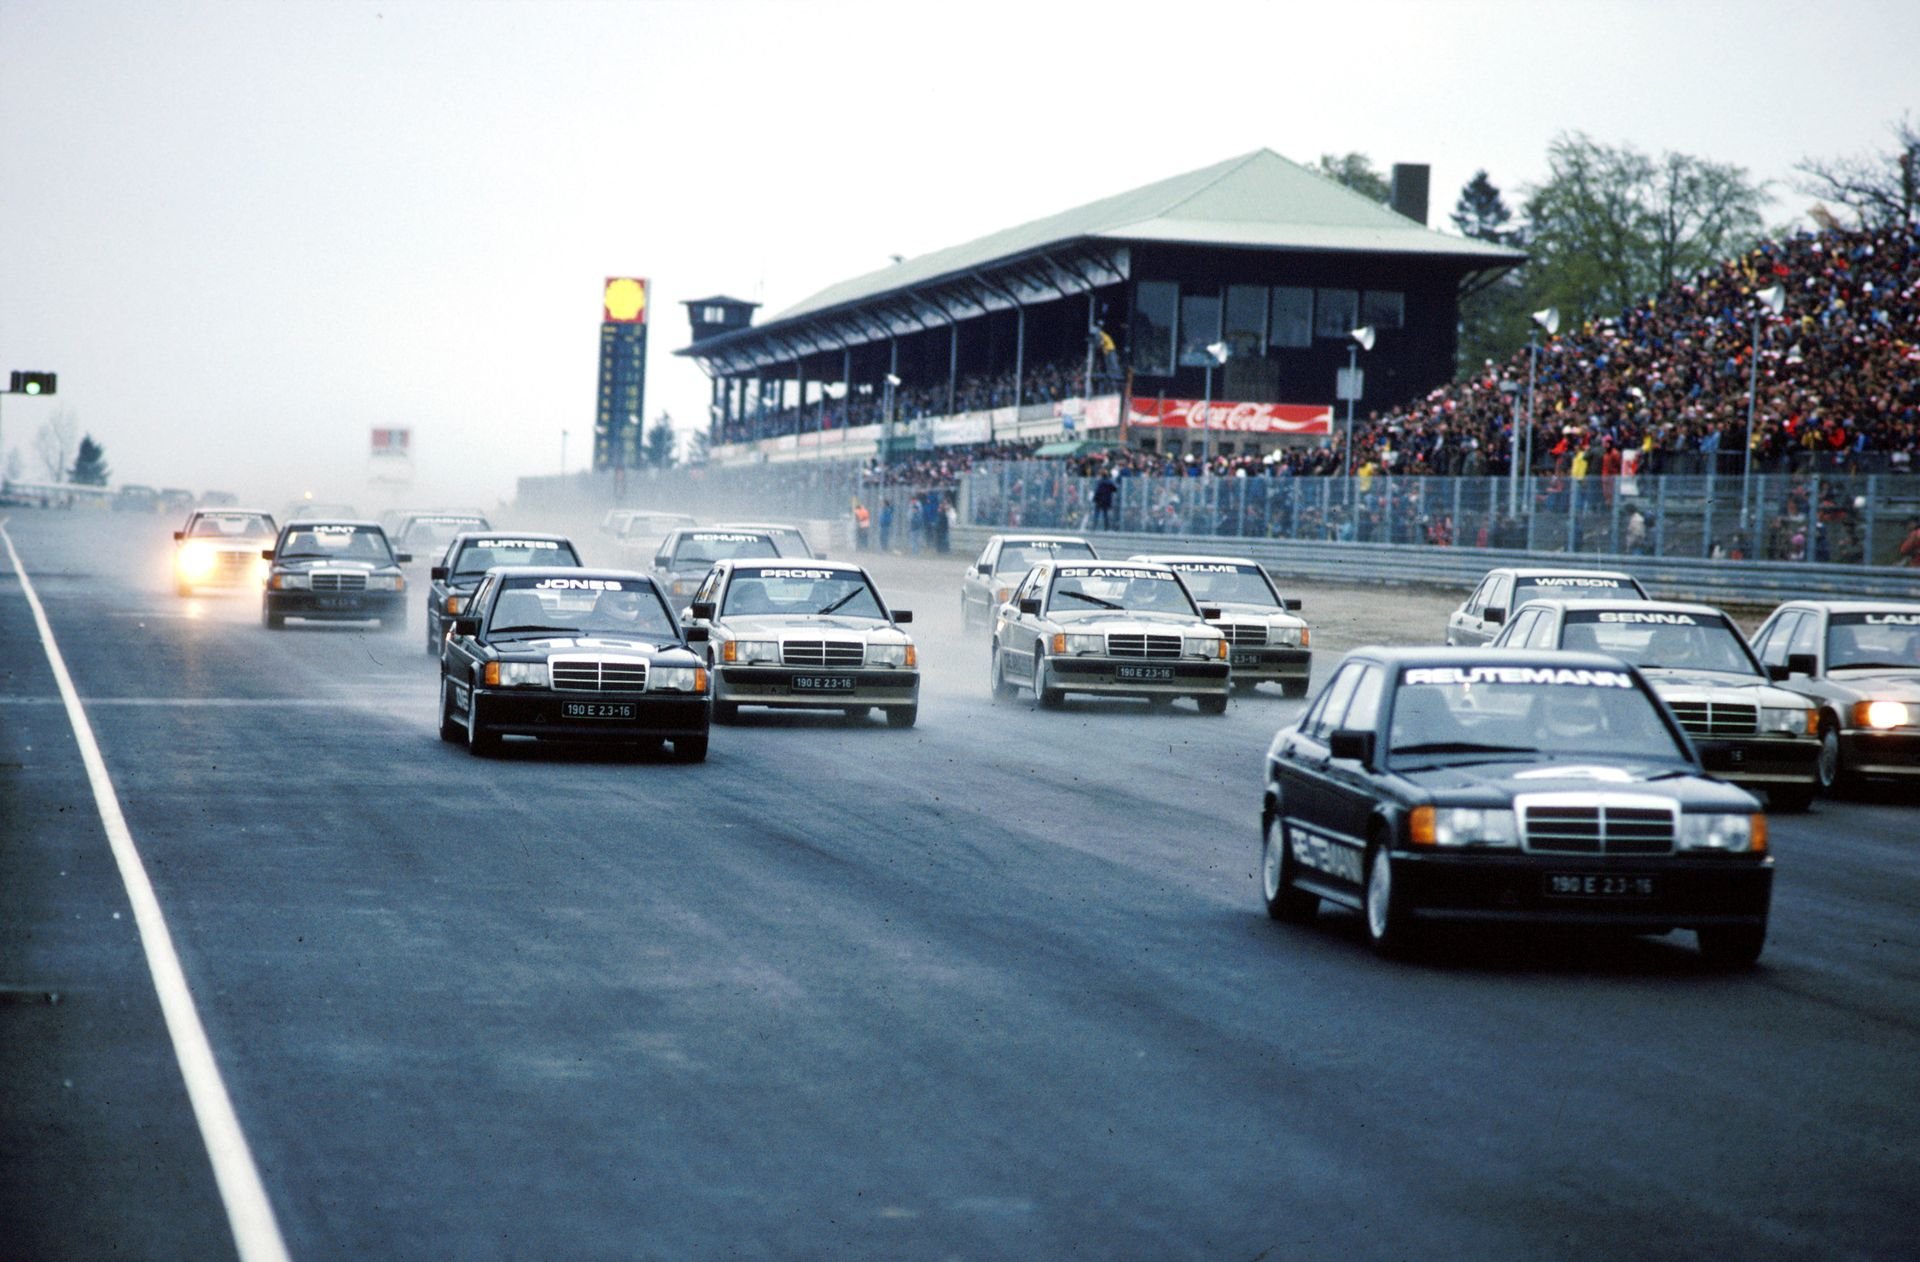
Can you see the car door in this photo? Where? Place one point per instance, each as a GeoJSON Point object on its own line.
{"type": "Point", "coordinates": [1468, 613]}
{"type": "Point", "coordinates": [976, 585]}
{"type": "Point", "coordinates": [1020, 631]}
{"type": "Point", "coordinates": [1308, 779]}
{"type": "Point", "coordinates": [1481, 628]}
{"type": "Point", "coordinates": [1350, 786]}
{"type": "Point", "coordinates": [1773, 643]}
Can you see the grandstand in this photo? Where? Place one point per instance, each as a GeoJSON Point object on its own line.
{"type": "Point", "coordinates": [1096, 322]}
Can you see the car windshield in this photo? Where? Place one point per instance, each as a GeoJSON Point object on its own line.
{"type": "Point", "coordinates": [336, 543]}
{"type": "Point", "coordinates": [798, 592]}
{"type": "Point", "coordinates": [579, 606]}
{"type": "Point", "coordinates": [1226, 583]}
{"type": "Point", "coordinates": [231, 526]}
{"type": "Point", "coordinates": [1080, 588]}
{"type": "Point", "coordinates": [426, 530]}
{"type": "Point", "coordinates": [481, 555]}
{"type": "Point", "coordinates": [1659, 640]}
{"type": "Point", "coordinates": [1886, 639]}
{"type": "Point", "coordinates": [703, 548]}
{"type": "Point", "coordinates": [1020, 556]}
{"type": "Point", "coordinates": [1452, 711]}
{"type": "Point", "coordinates": [1573, 587]}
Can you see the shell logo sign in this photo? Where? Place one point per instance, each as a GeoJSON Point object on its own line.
{"type": "Point", "coordinates": [624, 301]}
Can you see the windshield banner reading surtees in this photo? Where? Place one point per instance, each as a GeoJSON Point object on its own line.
{"type": "Point", "coordinates": [1243, 418]}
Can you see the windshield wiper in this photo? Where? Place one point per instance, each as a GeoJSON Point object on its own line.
{"type": "Point", "coordinates": [1461, 747]}
{"type": "Point", "coordinates": [1091, 600]}
{"type": "Point", "coordinates": [541, 630]}
{"type": "Point", "coordinates": [1873, 666]}
{"type": "Point", "coordinates": [843, 600]}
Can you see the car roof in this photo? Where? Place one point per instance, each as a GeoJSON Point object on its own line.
{"type": "Point", "coordinates": [1145, 567]}
{"type": "Point", "coordinates": [1191, 558]}
{"type": "Point", "coordinates": [572, 571]}
{"type": "Point", "coordinates": [679, 531]}
{"type": "Point", "coordinates": [358, 523]}
{"type": "Point", "coordinates": [227, 510]}
{"type": "Point", "coordinates": [496, 533]}
{"type": "Point", "coordinates": [754, 525]}
{"type": "Point", "coordinates": [741, 564]}
{"type": "Point", "coordinates": [1856, 606]}
{"type": "Point", "coordinates": [1633, 606]}
{"type": "Point", "coordinates": [1399, 655]}
{"type": "Point", "coordinates": [1556, 571]}
{"type": "Point", "coordinates": [1040, 536]}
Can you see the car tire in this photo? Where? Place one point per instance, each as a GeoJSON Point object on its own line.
{"type": "Point", "coordinates": [1389, 928]}
{"type": "Point", "coordinates": [1211, 703]}
{"type": "Point", "coordinates": [902, 715]}
{"type": "Point", "coordinates": [450, 728]}
{"type": "Point", "coordinates": [272, 621]}
{"type": "Point", "coordinates": [690, 748]}
{"type": "Point", "coordinates": [726, 711]}
{"type": "Point", "coordinates": [855, 713]}
{"type": "Point", "coordinates": [480, 742]}
{"type": "Point", "coordinates": [997, 682]}
{"type": "Point", "coordinates": [1834, 776]}
{"type": "Point", "coordinates": [433, 640]}
{"type": "Point", "coordinates": [1284, 902]}
{"type": "Point", "coordinates": [1731, 946]}
{"type": "Point", "coordinates": [1789, 801]}
{"type": "Point", "coordinates": [1293, 687]}
{"type": "Point", "coordinates": [1044, 695]}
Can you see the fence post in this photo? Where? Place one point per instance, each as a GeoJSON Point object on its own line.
{"type": "Point", "coordinates": [1660, 517]}
{"type": "Point", "coordinates": [1866, 544]}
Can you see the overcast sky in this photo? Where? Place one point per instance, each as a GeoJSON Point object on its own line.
{"type": "Point", "coordinates": [244, 234]}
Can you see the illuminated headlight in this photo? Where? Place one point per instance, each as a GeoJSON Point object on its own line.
{"type": "Point", "coordinates": [897, 656]}
{"type": "Point", "coordinates": [747, 652]}
{"type": "Point", "coordinates": [196, 560]}
{"type": "Point", "coordinates": [1789, 719]}
{"type": "Point", "coordinates": [1204, 646]}
{"type": "Point", "coordinates": [1079, 642]}
{"type": "Point", "coordinates": [1463, 826]}
{"type": "Point", "coordinates": [1734, 834]}
{"type": "Point", "coordinates": [517, 674]}
{"type": "Point", "coordinates": [386, 583]}
{"type": "Point", "coordinates": [289, 581]}
{"type": "Point", "coordinates": [677, 679]}
{"type": "Point", "coordinates": [1881, 714]}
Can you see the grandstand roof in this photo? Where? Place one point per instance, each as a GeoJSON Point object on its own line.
{"type": "Point", "coordinates": [1258, 200]}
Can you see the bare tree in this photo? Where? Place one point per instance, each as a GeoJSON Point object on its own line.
{"type": "Point", "coordinates": [54, 444]}
{"type": "Point", "coordinates": [1881, 188]}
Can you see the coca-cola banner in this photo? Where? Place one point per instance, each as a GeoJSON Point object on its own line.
{"type": "Point", "coordinates": [1242, 418]}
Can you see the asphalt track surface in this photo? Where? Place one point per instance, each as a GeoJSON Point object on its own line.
{"type": "Point", "coordinates": [999, 986]}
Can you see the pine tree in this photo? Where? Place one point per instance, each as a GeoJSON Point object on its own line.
{"type": "Point", "coordinates": [660, 443]}
{"type": "Point", "coordinates": [89, 464]}
{"type": "Point", "coordinates": [1481, 213]}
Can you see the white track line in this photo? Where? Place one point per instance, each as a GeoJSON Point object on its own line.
{"type": "Point", "coordinates": [255, 1232]}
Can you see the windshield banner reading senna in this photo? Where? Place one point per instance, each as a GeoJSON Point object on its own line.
{"type": "Point", "coordinates": [1516, 675]}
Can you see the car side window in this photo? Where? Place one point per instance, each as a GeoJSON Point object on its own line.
{"type": "Point", "coordinates": [1478, 601]}
{"type": "Point", "coordinates": [1332, 707]}
{"type": "Point", "coordinates": [1522, 627]}
{"type": "Point", "coordinates": [1806, 636]}
{"type": "Point", "coordinates": [1773, 646]}
{"type": "Point", "coordinates": [1497, 596]}
{"type": "Point", "coordinates": [1543, 632]}
{"type": "Point", "coordinates": [1363, 711]}
{"type": "Point", "coordinates": [984, 562]}
{"type": "Point", "coordinates": [709, 586]}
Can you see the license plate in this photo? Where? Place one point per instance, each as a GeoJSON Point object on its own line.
{"type": "Point", "coordinates": [1245, 659]}
{"type": "Point", "coordinates": [336, 602]}
{"type": "Point", "coordinates": [597, 709]}
{"type": "Point", "coordinates": [823, 683]}
{"type": "Point", "coordinates": [1589, 885]}
{"type": "Point", "coordinates": [1143, 672]}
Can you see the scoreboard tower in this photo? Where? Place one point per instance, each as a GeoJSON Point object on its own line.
{"type": "Point", "coordinates": [621, 415]}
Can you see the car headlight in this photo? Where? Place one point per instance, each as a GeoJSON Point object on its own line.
{"type": "Point", "coordinates": [386, 583]}
{"type": "Point", "coordinates": [516, 674]}
{"type": "Point", "coordinates": [897, 656]}
{"type": "Point", "coordinates": [1462, 826]}
{"type": "Point", "coordinates": [1204, 646]}
{"type": "Point", "coordinates": [1285, 637]}
{"type": "Point", "coordinates": [287, 580]}
{"type": "Point", "coordinates": [1881, 714]}
{"type": "Point", "coordinates": [196, 560]}
{"type": "Point", "coordinates": [685, 586]}
{"type": "Point", "coordinates": [747, 652]}
{"type": "Point", "coordinates": [677, 679]}
{"type": "Point", "coordinates": [1792, 720]}
{"type": "Point", "coordinates": [1078, 642]}
{"type": "Point", "coordinates": [1733, 834]}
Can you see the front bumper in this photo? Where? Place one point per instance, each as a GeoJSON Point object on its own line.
{"type": "Point", "coordinates": [1269, 664]}
{"type": "Point", "coordinates": [1684, 892]}
{"type": "Point", "coordinates": [814, 688]}
{"type": "Point", "coordinates": [1139, 677]}
{"type": "Point", "coordinates": [543, 713]}
{"type": "Point", "coordinates": [1870, 752]}
{"type": "Point", "coordinates": [336, 606]}
{"type": "Point", "coordinates": [1765, 761]}
{"type": "Point", "coordinates": [230, 567]}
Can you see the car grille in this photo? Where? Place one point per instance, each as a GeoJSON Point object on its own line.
{"type": "Point", "coordinates": [1602, 826]}
{"type": "Point", "coordinates": [823, 653]}
{"type": "Point", "coordinates": [230, 562]}
{"type": "Point", "coordinates": [593, 675]}
{"type": "Point", "coordinates": [1709, 718]}
{"type": "Point", "coordinates": [1244, 632]}
{"type": "Point", "coordinates": [355, 581]}
{"type": "Point", "coordinates": [1143, 646]}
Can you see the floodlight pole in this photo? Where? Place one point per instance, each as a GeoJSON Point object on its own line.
{"type": "Point", "coordinates": [1353, 368]}
{"type": "Point", "coordinates": [1533, 365]}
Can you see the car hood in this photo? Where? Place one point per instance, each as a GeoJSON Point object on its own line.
{"type": "Point", "coordinates": [806, 625]}
{"type": "Point", "coordinates": [329, 563]}
{"type": "Point", "coordinates": [1881, 684]}
{"type": "Point", "coordinates": [1235, 611]}
{"type": "Point", "coordinates": [586, 644]}
{"type": "Point", "coordinates": [1686, 685]}
{"type": "Point", "coordinates": [1506, 779]}
{"type": "Point", "coordinates": [1123, 621]}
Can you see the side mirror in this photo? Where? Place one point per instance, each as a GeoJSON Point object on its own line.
{"type": "Point", "coordinates": [266, 554]}
{"type": "Point", "coordinates": [438, 573]}
{"type": "Point", "coordinates": [1030, 605]}
{"type": "Point", "coordinates": [1802, 664]}
{"type": "Point", "coordinates": [1352, 742]}
{"type": "Point", "coordinates": [1290, 603]}
{"type": "Point", "coordinates": [178, 535]}
{"type": "Point", "coordinates": [903, 615]}
{"type": "Point", "coordinates": [466, 626]}
{"type": "Point", "coordinates": [1494, 614]}
{"type": "Point", "coordinates": [403, 557]}
{"type": "Point", "coordinates": [702, 611]}
{"type": "Point", "coordinates": [697, 635]}
{"type": "Point", "coordinates": [1776, 671]}
{"type": "Point", "coordinates": [1210, 613]}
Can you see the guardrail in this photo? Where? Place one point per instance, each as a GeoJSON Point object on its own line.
{"type": "Point", "coordinates": [1711, 581]}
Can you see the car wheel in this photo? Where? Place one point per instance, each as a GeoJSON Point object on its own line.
{"type": "Point", "coordinates": [480, 741]}
{"type": "Point", "coordinates": [1389, 929]}
{"type": "Point", "coordinates": [272, 621]}
{"type": "Point", "coordinates": [1211, 703]}
{"type": "Point", "coordinates": [690, 748]}
{"type": "Point", "coordinates": [1833, 774]}
{"type": "Point", "coordinates": [450, 729]}
{"type": "Point", "coordinates": [1732, 946]}
{"type": "Point", "coordinates": [966, 615]}
{"type": "Point", "coordinates": [433, 638]}
{"type": "Point", "coordinates": [1293, 687]}
{"type": "Point", "coordinates": [997, 675]}
{"type": "Point", "coordinates": [855, 713]}
{"type": "Point", "coordinates": [902, 715]}
{"type": "Point", "coordinates": [1049, 697]}
{"type": "Point", "coordinates": [726, 711]}
{"type": "Point", "coordinates": [1284, 902]}
{"type": "Point", "coordinates": [1789, 801]}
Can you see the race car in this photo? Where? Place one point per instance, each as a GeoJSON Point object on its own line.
{"type": "Point", "coordinates": [332, 571]}
{"type": "Point", "coordinates": [990, 580]}
{"type": "Point", "coordinates": [1424, 785]}
{"type": "Point", "coordinates": [1267, 640]}
{"type": "Point", "coordinates": [220, 547]}
{"type": "Point", "coordinates": [686, 554]}
{"type": "Point", "coordinates": [571, 654]}
{"type": "Point", "coordinates": [1858, 662]}
{"type": "Point", "coordinates": [1108, 628]}
{"type": "Point", "coordinates": [427, 532]}
{"type": "Point", "coordinates": [790, 539]}
{"type": "Point", "coordinates": [470, 555]}
{"type": "Point", "coordinates": [1501, 593]}
{"type": "Point", "coordinates": [808, 635]}
{"type": "Point", "coordinates": [1746, 728]}
{"type": "Point", "coordinates": [640, 532]}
